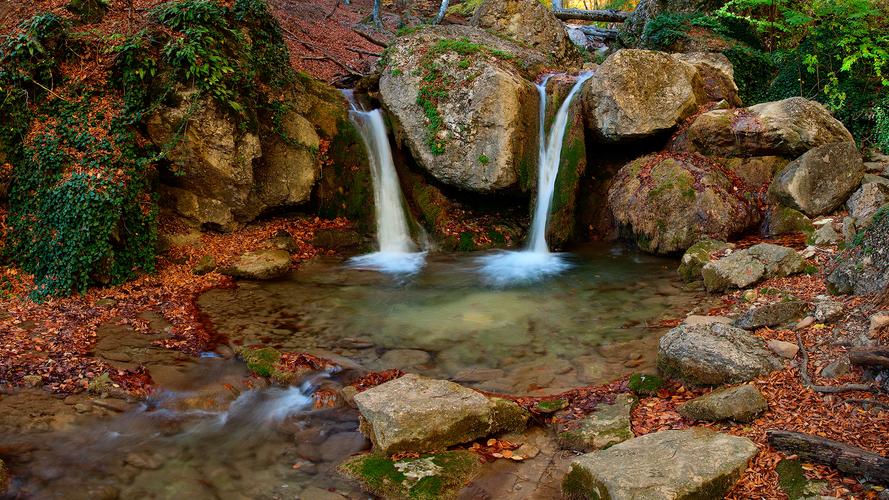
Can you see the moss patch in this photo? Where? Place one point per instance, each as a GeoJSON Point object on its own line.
{"type": "Point", "coordinates": [793, 480]}
{"type": "Point", "coordinates": [580, 485]}
{"type": "Point", "coordinates": [433, 476]}
{"type": "Point", "coordinates": [645, 384]}
{"type": "Point", "coordinates": [551, 406]}
{"type": "Point", "coordinates": [260, 361]}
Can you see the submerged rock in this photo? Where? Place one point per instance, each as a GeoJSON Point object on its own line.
{"type": "Point", "coordinates": [776, 313]}
{"type": "Point", "coordinates": [608, 425]}
{"type": "Point", "coordinates": [746, 267]}
{"type": "Point", "coordinates": [820, 180]}
{"type": "Point", "coordinates": [786, 128]}
{"type": "Point", "coordinates": [697, 256]}
{"type": "Point", "coordinates": [530, 24]}
{"type": "Point", "coordinates": [462, 105]}
{"type": "Point", "coordinates": [688, 464]}
{"type": "Point", "coordinates": [713, 354]}
{"type": "Point", "coordinates": [264, 264]}
{"type": "Point", "coordinates": [742, 404]}
{"type": "Point", "coordinates": [427, 477]}
{"type": "Point", "coordinates": [418, 414]}
{"type": "Point", "coordinates": [670, 203]}
{"type": "Point", "coordinates": [620, 106]}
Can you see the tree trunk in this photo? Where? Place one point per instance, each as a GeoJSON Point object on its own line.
{"type": "Point", "coordinates": [441, 12]}
{"type": "Point", "coordinates": [842, 457]}
{"type": "Point", "coordinates": [604, 33]}
{"type": "Point", "coordinates": [376, 15]}
{"type": "Point", "coordinates": [871, 356]}
{"type": "Point", "coordinates": [608, 15]}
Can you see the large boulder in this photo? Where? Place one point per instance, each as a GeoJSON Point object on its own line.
{"type": "Point", "coordinates": [697, 463]}
{"type": "Point", "coordinates": [462, 104]}
{"type": "Point", "coordinates": [289, 166]}
{"type": "Point", "coordinates": [621, 106]}
{"type": "Point", "coordinates": [742, 404]}
{"type": "Point", "coordinates": [863, 268]}
{"type": "Point", "coordinates": [717, 75]}
{"type": "Point", "coordinates": [746, 267]}
{"type": "Point", "coordinates": [820, 180]}
{"type": "Point", "coordinates": [713, 354]}
{"type": "Point", "coordinates": [670, 202]}
{"type": "Point", "coordinates": [418, 414]}
{"type": "Point", "coordinates": [529, 23]}
{"type": "Point", "coordinates": [785, 128]}
{"type": "Point", "coordinates": [213, 160]}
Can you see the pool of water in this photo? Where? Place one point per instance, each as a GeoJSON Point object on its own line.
{"type": "Point", "coordinates": [214, 431]}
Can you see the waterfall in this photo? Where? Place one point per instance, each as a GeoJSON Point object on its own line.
{"type": "Point", "coordinates": [536, 261]}
{"type": "Point", "coordinates": [397, 251]}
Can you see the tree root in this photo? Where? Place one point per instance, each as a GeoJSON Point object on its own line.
{"type": "Point", "coordinates": [824, 389]}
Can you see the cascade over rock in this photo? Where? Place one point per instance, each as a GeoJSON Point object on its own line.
{"type": "Point", "coordinates": [462, 103]}
{"type": "Point", "coordinates": [785, 128]}
{"type": "Point", "coordinates": [529, 23]}
{"type": "Point", "coordinates": [669, 203]}
{"type": "Point", "coordinates": [620, 106]}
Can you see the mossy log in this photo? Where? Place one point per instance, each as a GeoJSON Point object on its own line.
{"type": "Point", "coordinates": [603, 15]}
{"type": "Point", "coordinates": [842, 457]}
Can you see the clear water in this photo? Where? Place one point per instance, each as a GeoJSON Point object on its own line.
{"type": "Point", "coordinates": [213, 431]}
{"type": "Point", "coordinates": [536, 262]}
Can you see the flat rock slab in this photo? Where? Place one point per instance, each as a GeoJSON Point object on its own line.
{"type": "Point", "coordinates": [690, 464]}
{"type": "Point", "coordinates": [776, 313]}
{"type": "Point", "coordinates": [418, 414]}
{"type": "Point", "coordinates": [713, 354]}
{"type": "Point", "coordinates": [607, 426]}
{"type": "Point", "coordinates": [265, 264]}
{"type": "Point", "coordinates": [742, 404]}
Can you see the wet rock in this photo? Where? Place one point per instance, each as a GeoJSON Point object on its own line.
{"type": "Point", "coordinates": [785, 128]}
{"type": "Point", "coordinates": [677, 204]}
{"type": "Point", "coordinates": [863, 268]}
{"type": "Point", "coordinates": [265, 264]}
{"type": "Point", "coordinates": [343, 444]}
{"type": "Point", "coordinates": [551, 406]}
{"type": "Point", "coordinates": [417, 414]}
{"type": "Point", "coordinates": [620, 106]}
{"type": "Point", "coordinates": [865, 202]}
{"type": "Point", "coordinates": [693, 463]}
{"type": "Point", "coordinates": [316, 493]}
{"type": "Point", "coordinates": [746, 267]}
{"type": "Point", "coordinates": [820, 180]}
{"type": "Point", "coordinates": [714, 354]}
{"type": "Point", "coordinates": [697, 256]}
{"type": "Point", "coordinates": [530, 24]}
{"type": "Point", "coordinates": [608, 425]}
{"type": "Point", "coordinates": [776, 313]}
{"type": "Point", "coordinates": [476, 375]}
{"type": "Point", "coordinates": [336, 239]}
{"type": "Point", "coordinates": [780, 220]}
{"type": "Point", "coordinates": [487, 140]}
{"type": "Point", "coordinates": [826, 236]}
{"type": "Point", "coordinates": [828, 311]}
{"type": "Point", "coordinates": [404, 358]}
{"type": "Point", "coordinates": [206, 265]}
{"type": "Point", "coordinates": [837, 368]}
{"type": "Point", "coordinates": [742, 404]}
{"type": "Point", "coordinates": [786, 350]}
{"type": "Point", "coordinates": [143, 460]}
{"type": "Point", "coordinates": [439, 475]}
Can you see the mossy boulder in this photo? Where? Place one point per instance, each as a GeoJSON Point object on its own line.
{"type": "Point", "coordinates": [691, 464]}
{"type": "Point", "coordinates": [416, 414]}
{"type": "Point", "coordinates": [749, 266]}
{"type": "Point", "coordinates": [780, 220]}
{"type": "Point", "coordinates": [697, 256]}
{"type": "Point", "coordinates": [427, 477]}
{"type": "Point", "coordinates": [608, 425]}
{"type": "Point", "coordinates": [741, 404]}
{"type": "Point", "coordinates": [667, 203]}
{"type": "Point", "coordinates": [260, 361]}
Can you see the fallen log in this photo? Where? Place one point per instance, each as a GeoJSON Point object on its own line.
{"type": "Point", "coordinates": [842, 457]}
{"type": "Point", "coordinates": [871, 356]}
{"type": "Point", "coordinates": [603, 15]}
{"type": "Point", "coordinates": [604, 33]}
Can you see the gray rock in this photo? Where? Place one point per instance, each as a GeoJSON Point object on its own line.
{"type": "Point", "coordinates": [713, 354]}
{"type": "Point", "coordinates": [779, 261]}
{"type": "Point", "coordinates": [717, 74]}
{"type": "Point", "coordinates": [697, 256]}
{"type": "Point", "coordinates": [746, 267]}
{"type": "Point", "coordinates": [879, 179]}
{"type": "Point", "coordinates": [837, 368]}
{"type": "Point", "coordinates": [265, 264]}
{"type": "Point", "coordinates": [828, 311]}
{"type": "Point", "coordinates": [786, 350]}
{"type": "Point", "coordinates": [742, 404]}
{"type": "Point", "coordinates": [780, 220]}
{"type": "Point", "coordinates": [865, 202]}
{"type": "Point", "coordinates": [690, 464]}
{"type": "Point", "coordinates": [849, 230]}
{"type": "Point", "coordinates": [694, 319]}
{"type": "Point", "coordinates": [608, 425]}
{"type": "Point", "coordinates": [417, 414]}
{"type": "Point", "coordinates": [785, 128]}
{"type": "Point", "coordinates": [863, 268]}
{"type": "Point", "coordinates": [820, 180]}
{"type": "Point", "coordinates": [826, 236]}
{"type": "Point", "coordinates": [620, 106]}
{"type": "Point", "coordinates": [777, 313]}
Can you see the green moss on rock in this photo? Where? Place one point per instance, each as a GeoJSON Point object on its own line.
{"type": "Point", "coordinates": [793, 481]}
{"type": "Point", "coordinates": [645, 384]}
{"type": "Point", "coordinates": [260, 361]}
{"type": "Point", "coordinates": [697, 256]}
{"type": "Point", "coordinates": [506, 416]}
{"type": "Point", "coordinates": [551, 406]}
{"type": "Point", "coordinates": [431, 476]}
